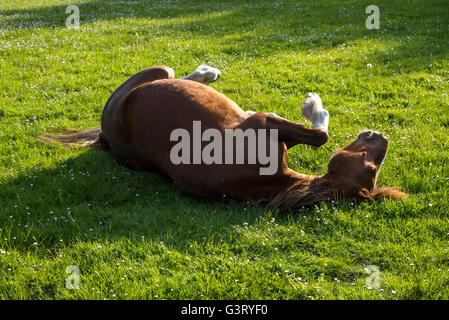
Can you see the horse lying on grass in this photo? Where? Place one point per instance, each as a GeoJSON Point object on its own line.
{"type": "Point", "coordinates": [145, 117]}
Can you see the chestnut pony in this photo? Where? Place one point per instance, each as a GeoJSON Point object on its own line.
{"type": "Point", "coordinates": [141, 114]}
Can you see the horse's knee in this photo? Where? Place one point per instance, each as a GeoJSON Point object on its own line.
{"type": "Point", "coordinates": [321, 137]}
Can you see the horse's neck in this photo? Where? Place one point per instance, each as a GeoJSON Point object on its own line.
{"type": "Point", "coordinates": [301, 189]}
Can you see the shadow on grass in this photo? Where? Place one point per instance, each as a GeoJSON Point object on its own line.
{"type": "Point", "coordinates": [90, 197]}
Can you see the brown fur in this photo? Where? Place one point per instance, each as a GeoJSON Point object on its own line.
{"type": "Point", "coordinates": [303, 193]}
{"type": "Point", "coordinates": [316, 189]}
{"type": "Point", "coordinates": [140, 115]}
{"type": "Point", "coordinates": [386, 193]}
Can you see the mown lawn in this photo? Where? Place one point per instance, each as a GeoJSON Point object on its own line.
{"type": "Point", "coordinates": [133, 235]}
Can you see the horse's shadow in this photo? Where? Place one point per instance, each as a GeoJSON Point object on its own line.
{"type": "Point", "coordinates": [91, 198]}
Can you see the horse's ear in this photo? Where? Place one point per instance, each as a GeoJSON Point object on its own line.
{"type": "Point", "coordinates": [387, 193]}
{"type": "Point", "coordinates": [345, 158]}
{"type": "Point", "coordinates": [336, 162]}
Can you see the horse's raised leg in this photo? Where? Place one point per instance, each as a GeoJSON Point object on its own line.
{"type": "Point", "coordinates": [269, 113]}
{"type": "Point", "coordinates": [312, 110]}
{"type": "Point", "coordinates": [143, 76]}
{"type": "Point", "coordinates": [289, 132]}
{"type": "Point", "coordinates": [204, 74]}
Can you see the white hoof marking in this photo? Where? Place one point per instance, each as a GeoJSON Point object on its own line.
{"type": "Point", "coordinates": [312, 110]}
{"type": "Point", "coordinates": [204, 74]}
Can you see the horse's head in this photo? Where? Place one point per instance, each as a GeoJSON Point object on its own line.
{"type": "Point", "coordinates": [353, 171]}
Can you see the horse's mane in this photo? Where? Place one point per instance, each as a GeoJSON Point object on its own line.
{"type": "Point", "coordinates": [302, 193]}
{"type": "Point", "coordinates": [312, 189]}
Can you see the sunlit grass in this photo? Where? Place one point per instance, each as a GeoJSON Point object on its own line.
{"type": "Point", "coordinates": [134, 235]}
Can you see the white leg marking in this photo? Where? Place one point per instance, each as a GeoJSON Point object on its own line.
{"type": "Point", "coordinates": [204, 74]}
{"type": "Point", "coordinates": [312, 110]}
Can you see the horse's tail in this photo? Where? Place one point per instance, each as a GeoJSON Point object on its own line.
{"type": "Point", "coordinates": [77, 138]}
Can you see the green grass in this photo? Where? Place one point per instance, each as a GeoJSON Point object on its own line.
{"type": "Point", "coordinates": [134, 235]}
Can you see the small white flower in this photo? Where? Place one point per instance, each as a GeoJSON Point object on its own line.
{"type": "Point", "coordinates": [369, 65]}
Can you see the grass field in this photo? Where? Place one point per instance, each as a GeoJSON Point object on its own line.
{"type": "Point", "coordinates": [133, 235]}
